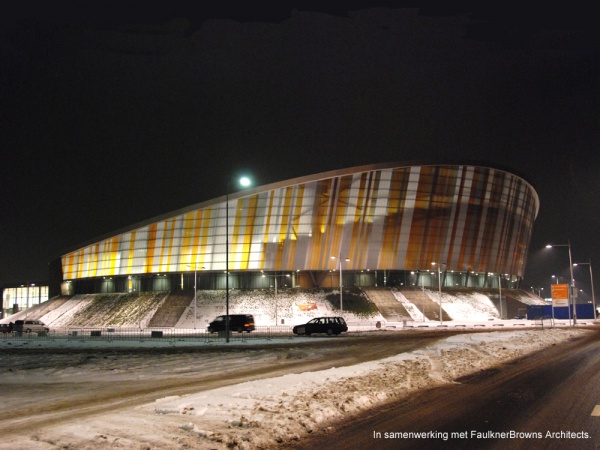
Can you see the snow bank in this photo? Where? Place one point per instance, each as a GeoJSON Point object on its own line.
{"type": "Point", "coordinates": [283, 409]}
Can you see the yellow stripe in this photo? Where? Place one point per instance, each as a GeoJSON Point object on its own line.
{"type": "Point", "coordinates": [250, 213]}
{"type": "Point", "coordinates": [186, 241]}
{"type": "Point", "coordinates": [131, 252]}
{"type": "Point", "coordinates": [94, 255]}
{"type": "Point", "coordinates": [283, 227]}
{"type": "Point", "coordinates": [295, 225]}
{"type": "Point", "coordinates": [201, 234]}
{"type": "Point", "coordinates": [168, 244]}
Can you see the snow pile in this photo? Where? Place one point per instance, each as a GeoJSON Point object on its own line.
{"type": "Point", "coordinates": [288, 307]}
{"type": "Point", "coordinates": [62, 316]}
{"type": "Point", "coordinates": [411, 308]}
{"type": "Point", "coordinates": [460, 306]}
{"type": "Point", "coordinates": [467, 306]}
{"type": "Point", "coordinates": [283, 409]}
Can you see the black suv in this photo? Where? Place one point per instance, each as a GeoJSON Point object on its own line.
{"type": "Point", "coordinates": [329, 325]}
{"type": "Point", "coordinates": [237, 322]}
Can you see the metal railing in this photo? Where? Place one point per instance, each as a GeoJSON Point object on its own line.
{"type": "Point", "coordinates": [140, 334]}
{"type": "Point", "coordinates": [542, 321]}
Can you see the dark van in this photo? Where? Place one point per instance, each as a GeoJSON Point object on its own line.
{"type": "Point", "coordinates": [30, 326]}
{"type": "Point", "coordinates": [237, 322]}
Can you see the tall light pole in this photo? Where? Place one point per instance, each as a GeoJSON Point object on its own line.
{"type": "Point", "coordinates": [551, 299]}
{"type": "Point", "coordinates": [275, 278]}
{"type": "Point", "coordinates": [592, 281]}
{"type": "Point", "coordinates": [439, 269]}
{"type": "Point", "coordinates": [244, 182]}
{"type": "Point", "coordinates": [339, 258]}
{"type": "Point", "coordinates": [571, 296]}
{"type": "Point", "coordinates": [195, 290]}
{"type": "Point", "coordinates": [500, 289]}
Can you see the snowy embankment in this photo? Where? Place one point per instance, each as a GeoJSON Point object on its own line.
{"type": "Point", "coordinates": [261, 413]}
{"type": "Point", "coordinates": [288, 308]}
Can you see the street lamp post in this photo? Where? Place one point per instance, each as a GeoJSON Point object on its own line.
{"type": "Point", "coordinates": [339, 258]}
{"type": "Point", "coordinates": [571, 296]}
{"type": "Point", "coordinates": [592, 282]}
{"type": "Point", "coordinates": [195, 291]}
{"type": "Point", "coordinates": [500, 289]}
{"type": "Point", "coordinates": [276, 305]}
{"type": "Point", "coordinates": [439, 267]}
{"type": "Point", "coordinates": [551, 299]}
{"type": "Point", "coordinates": [244, 182]}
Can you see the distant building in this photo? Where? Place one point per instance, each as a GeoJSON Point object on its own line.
{"type": "Point", "coordinates": [17, 297]}
{"type": "Point", "coordinates": [380, 225]}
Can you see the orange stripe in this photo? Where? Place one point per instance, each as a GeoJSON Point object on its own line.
{"type": "Point", "coordinates": [168, 244]}
{"type": "Point", "coordinates": [283, 227]}
{"type": "Point", "coordinates": [152, 230]}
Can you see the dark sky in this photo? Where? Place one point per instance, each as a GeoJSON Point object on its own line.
{"type": "Point", "coordinates": [115, 114]}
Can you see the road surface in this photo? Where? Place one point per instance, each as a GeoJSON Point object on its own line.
{"type": "Point", "coordinates": [45, 387]}
{"type": "Point", "coordinates": [548, 400]}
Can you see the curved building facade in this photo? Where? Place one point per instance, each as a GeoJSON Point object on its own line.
{"type": "Point", "coordinates": [380, 224]}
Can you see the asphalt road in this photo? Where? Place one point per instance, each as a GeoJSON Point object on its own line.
{"type": "Point", "coordinates": [544, 401]}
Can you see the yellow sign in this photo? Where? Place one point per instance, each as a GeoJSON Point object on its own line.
{"type": "Point", "coordinates": [307, 306]}
{"type": "Point", "coordinates": [560, 295]}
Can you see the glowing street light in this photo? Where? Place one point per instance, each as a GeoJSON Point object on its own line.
{"type": "Point", "coordinates": [592, 281]}
{"type": "Point", "coordinates": [243, 182]}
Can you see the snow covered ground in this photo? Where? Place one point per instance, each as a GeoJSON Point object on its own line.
{"type": "Point", "coordinates": [263, 413]}
{"type": "Point", "coordinates": [283, 409]}
{"type": "Point", "coordinates": [290, 307]}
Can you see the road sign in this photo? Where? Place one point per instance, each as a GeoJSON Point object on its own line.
{"type": "Point", "coordinates": [560, 295]}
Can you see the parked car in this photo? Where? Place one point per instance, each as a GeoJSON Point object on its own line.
{"type": "Point", "coordinates": [30, 326]}
{"type": "Point", "coordinates": [329, 325]}
{"type": "Point", "coordinates": [6, 328]}
{"type": "Point", "coordinates": [237, 322]}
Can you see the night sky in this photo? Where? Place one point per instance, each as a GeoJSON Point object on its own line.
{"type": "Point", "coordinates": [114, 115]}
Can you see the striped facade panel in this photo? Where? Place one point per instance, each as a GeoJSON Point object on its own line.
{"type": "Point", "coordinates": [393, 218]}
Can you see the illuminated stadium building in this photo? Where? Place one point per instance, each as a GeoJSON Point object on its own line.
{"type": "Point", "coordinates": [383, 225]}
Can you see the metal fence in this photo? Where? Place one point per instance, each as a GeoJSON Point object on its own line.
{"type": "Point", "coordinates": [138, 334]}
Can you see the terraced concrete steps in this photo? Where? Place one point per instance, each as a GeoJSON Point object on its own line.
{"type": "Point", "coordinates": [389, 306]}
{"type": "Point", "coordinates": [428, 307]}
{"type": "Point", "coordinates": [171, 309]}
